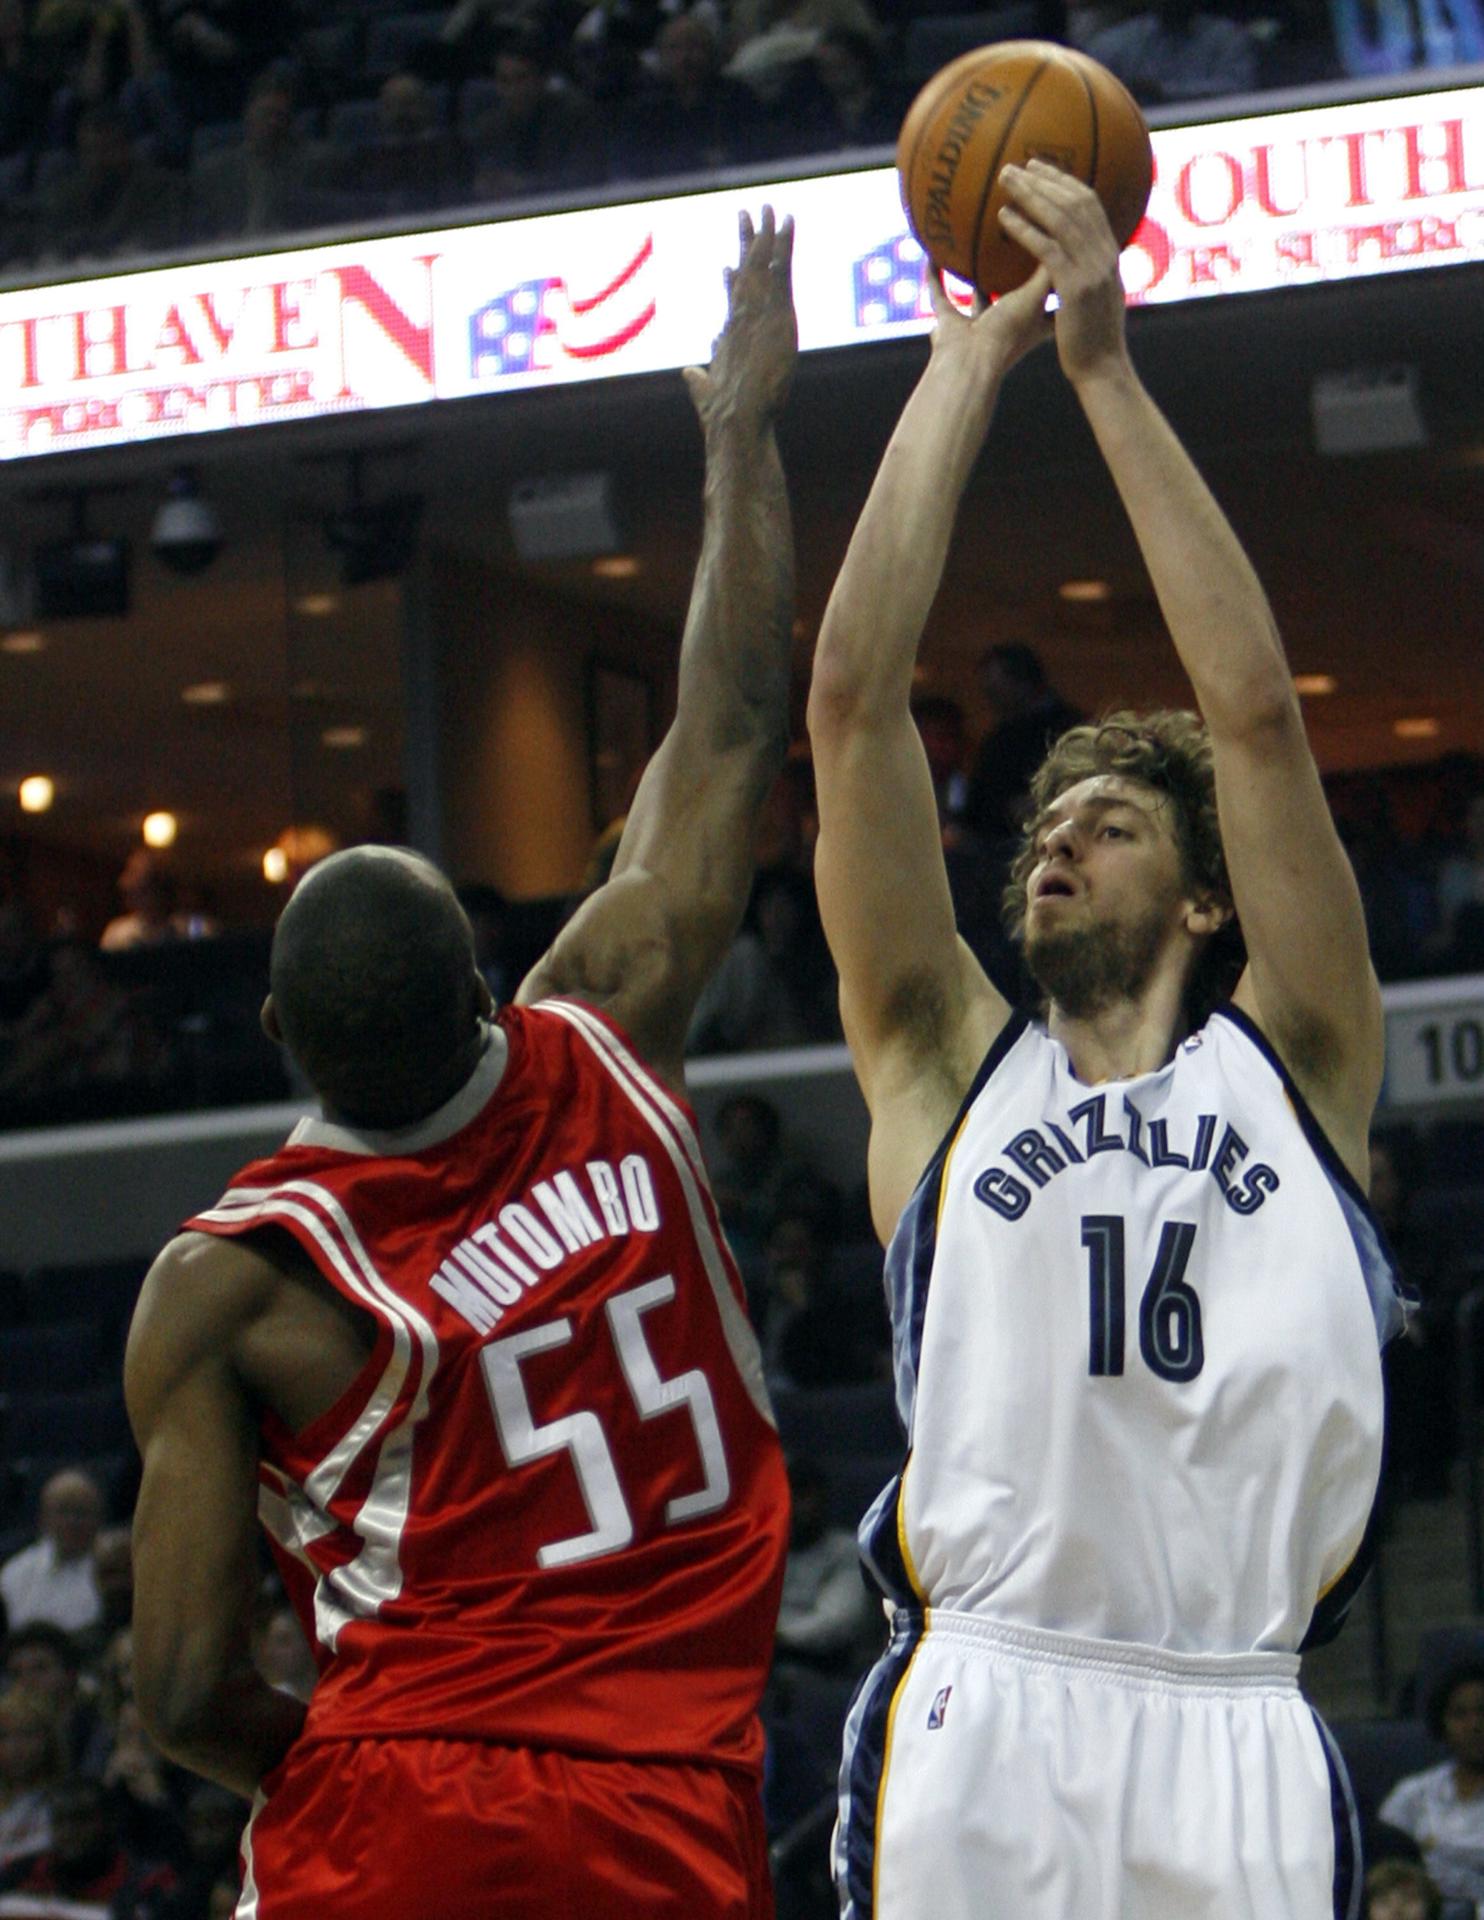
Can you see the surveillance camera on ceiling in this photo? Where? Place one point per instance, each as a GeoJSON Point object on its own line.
{"type": "Point", "coordinates": [186, 535]}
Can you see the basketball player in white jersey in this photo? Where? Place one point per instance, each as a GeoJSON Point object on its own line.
{"type": "Point", "coordinates": [1137, 1293]}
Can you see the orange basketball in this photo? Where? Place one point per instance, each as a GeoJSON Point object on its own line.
{"type": "Point", "coordinates": [1020, 100]}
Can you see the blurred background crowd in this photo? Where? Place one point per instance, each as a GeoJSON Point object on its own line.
{"type": "Point", "coordinates": [155, 1008]}
{"type": "Point", "coordinates": [147, 125]}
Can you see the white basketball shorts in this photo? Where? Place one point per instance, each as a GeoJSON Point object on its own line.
{"type": "Point", "coordinates": [1007, 1773]}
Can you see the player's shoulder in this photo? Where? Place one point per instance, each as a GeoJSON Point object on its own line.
{"type": "Point", "coordinates": [202, 1287]}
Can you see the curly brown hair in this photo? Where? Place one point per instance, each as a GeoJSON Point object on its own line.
{"type": "Point", "coordinates": [1169, 751]}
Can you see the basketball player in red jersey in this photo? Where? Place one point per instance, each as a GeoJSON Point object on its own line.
{"type": "Point", "coordinates": [472, 1348]}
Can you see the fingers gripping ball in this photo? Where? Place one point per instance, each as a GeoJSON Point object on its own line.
{"type": "Point", "coordinates": [1006, 104]}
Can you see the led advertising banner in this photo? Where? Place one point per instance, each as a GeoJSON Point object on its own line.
{"type": "Point", "coordinates": [1291, 199]}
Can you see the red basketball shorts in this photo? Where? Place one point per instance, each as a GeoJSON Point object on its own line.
{"type": "Point", "coordinates": [466, 1830]}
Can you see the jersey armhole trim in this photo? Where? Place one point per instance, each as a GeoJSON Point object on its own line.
{"type": "Point", "coordinates": [1314, 1133]}
{"type": "Point", "coordinates": [937, 1166]}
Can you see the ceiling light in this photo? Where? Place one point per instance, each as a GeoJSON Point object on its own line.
{"type": "Point", "coordinates": [37, 793]}
{"type": "Point", "coordinates": [616, 566]}
{"type": "Point", "coordinates": [1085, 592]}
{"type": "Point", "coordinates": [275, 866]}
{"type": "Point", "coordinates": [1311, 685]}
{"type": "Point", "coordinates": [316, 605]}
{"type": "Point", "coordinates": [207, 693]}
{"type": "Point", "coordinates": [344, 736]}
{"type": "Point", "coordinates": [26, 641]}
{"type": "Point", "coordinates": [1420, 727]}
{"type": "Point", "coordinates": [160, 829]}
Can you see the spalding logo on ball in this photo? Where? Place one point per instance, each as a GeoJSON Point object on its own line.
{"type": "Point", "coordinates": [1004, 105]}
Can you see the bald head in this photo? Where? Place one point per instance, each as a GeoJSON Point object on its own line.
{"type": "Point", "coordinates": [71, 1512]}
{"type": "Point", "coordinates": [375, 989]}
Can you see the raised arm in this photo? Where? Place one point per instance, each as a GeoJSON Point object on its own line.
{"type": "Point", "coordinates": [919, 1011]}
{"type": "Point", "coordinates": [195, 1525]}
{"type": "Point", "coordinates": [644, 944]}
{"type": "Point", "coordinates": [1309, 983]}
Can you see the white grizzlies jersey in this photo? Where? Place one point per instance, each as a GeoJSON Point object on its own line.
{"type": "Point", "coordinates": [1137, 1333]}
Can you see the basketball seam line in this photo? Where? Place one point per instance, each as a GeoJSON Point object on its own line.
{"type": "Point", "coordinates": [1092, 108]}
{"type": "Point", "coordinates": [994, 165]}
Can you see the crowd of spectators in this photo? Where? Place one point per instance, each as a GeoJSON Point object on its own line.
{"type": "Point", "coordinates": [139, 126]}
{"type": "Point", "coordinates": [161, 1012]}
{"type": "Point", "coordinates": [92, 1819]}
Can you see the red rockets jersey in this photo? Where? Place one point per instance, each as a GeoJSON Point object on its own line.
{"type": "Point", "coordinates": [552, 1510]}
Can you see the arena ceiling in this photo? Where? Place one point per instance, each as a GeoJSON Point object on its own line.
{"type": "Point", "coordinates": [1375, 562]}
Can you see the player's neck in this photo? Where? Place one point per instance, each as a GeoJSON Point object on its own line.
{"type": "Point", "coordinates": [1125, 1039]}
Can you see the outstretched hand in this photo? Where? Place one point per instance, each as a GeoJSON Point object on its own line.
{"type": "Point", "coordinates": [1003, 332]}
{"type": "Point", "coordinates": [1062, 224]}
{"type": "Point", "coordinates": [752, 361]}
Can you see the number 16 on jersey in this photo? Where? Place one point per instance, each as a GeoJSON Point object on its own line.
{"type": "Point", "coordinates": [1169, 1311]}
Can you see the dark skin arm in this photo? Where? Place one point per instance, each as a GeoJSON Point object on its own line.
{"type": "Point", "coordinates": [642, 947]}
{"type": "Point", "coordinates": [222, 1329]}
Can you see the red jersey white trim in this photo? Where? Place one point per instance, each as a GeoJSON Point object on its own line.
{"type": "Point", "coordinates": [363, 1586]}
{"type": "Point", "coordinates": [656, 1105]}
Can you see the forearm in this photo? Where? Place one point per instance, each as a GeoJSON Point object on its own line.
{"type": "Point", "coordinates": [894, 565]}
{"type": "Point", "coordinates": [736, 652]}
{"type": "Point", "coordinates": [234, 1730]}
{"type": "Point", "coordinates": [1213, 603]}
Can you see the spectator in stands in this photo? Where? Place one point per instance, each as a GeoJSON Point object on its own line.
{"type": "Point", "coordinates": [810, 1336]}
{"type": "Point", "coordinates": [113, 201]}
{"type": "Point", "coordinates": [776, 39]}
{"type": "Point", "coordinates": [1401, 1890]}
{"type": "Point", "coordinates": [1461, 897]}
{"type": "Point", "coordinates": [1173, 51]}
{"type": "Point", "coordinates": [940, 727]}
{"type": "Point", "coordinates": [1421, 1367]}
{"type": "Point", "coordinates": [279, 1650]}
{"type": "Point", "coordinates": [776, 986]}
{"type": "Point", "coordinates": [87, 1862]}
{"type": "Point", "coordinates": [32, 1761]}
{"type": "Point", "coordinates": [140, 1802]}
{"type": "Point", "coordinates": [1400, 909]}
{"type": "Point", "coordinates": [689, 117]}
{"type": "Point", "coordinates": [826, 1615]}
{"type": "Point", "coordinates": [53, 1579]}
{"type": "Point", "coordinates": [151, 916]}
{"type": "Point", "coordinates": [81, 1032]}
{"type": "Point", "coordinates": [748, 1171]}
{"type": "Point", "coordinates": [216, 47]}
{"type": "Point", "coordinates": [413, 164]}
{"type": "Point", "coordinates": [1442, 1808]}
{"type": "Point", "coordinates": [44, 1660]}
{"type": "Point", "coordinates": [841, 98]}
{"type": "Point", "coordinates": [113, 1575]}
{"type": "Point", "coordinates": [214, 1822]}
{"type": "Point", "coordinates": [1406, 34]}
{"type": "Point", "coordinates": [539, 136]}
{"type": "Point", "coordinates": [116, 61]}
{"type": "Point", "coordinates": [1029, 714]}
{"type": "Point", "coordinates": [24, 91]}
{"type": "Point", "coordinates": [265, 185]}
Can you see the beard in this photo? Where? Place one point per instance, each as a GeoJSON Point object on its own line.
{"type": "Point", "coordinates": [1086, 970]}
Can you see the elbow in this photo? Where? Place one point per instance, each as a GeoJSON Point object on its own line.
{"type": "Point", "coordinates": [1258, 707]}
{"type": "Point", "coordinates": [836, 695]}
{"type": "Point", "coordinates": [176, 1706]}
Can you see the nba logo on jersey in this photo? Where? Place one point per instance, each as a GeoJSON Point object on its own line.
{"type": "Point", "coordinates": [938, 1712]}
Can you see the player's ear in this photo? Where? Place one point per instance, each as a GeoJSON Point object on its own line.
{"type": "Point", "coordinates": [1207, 916]}
{"type": "Point", "coordinates": [269, 1019]}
